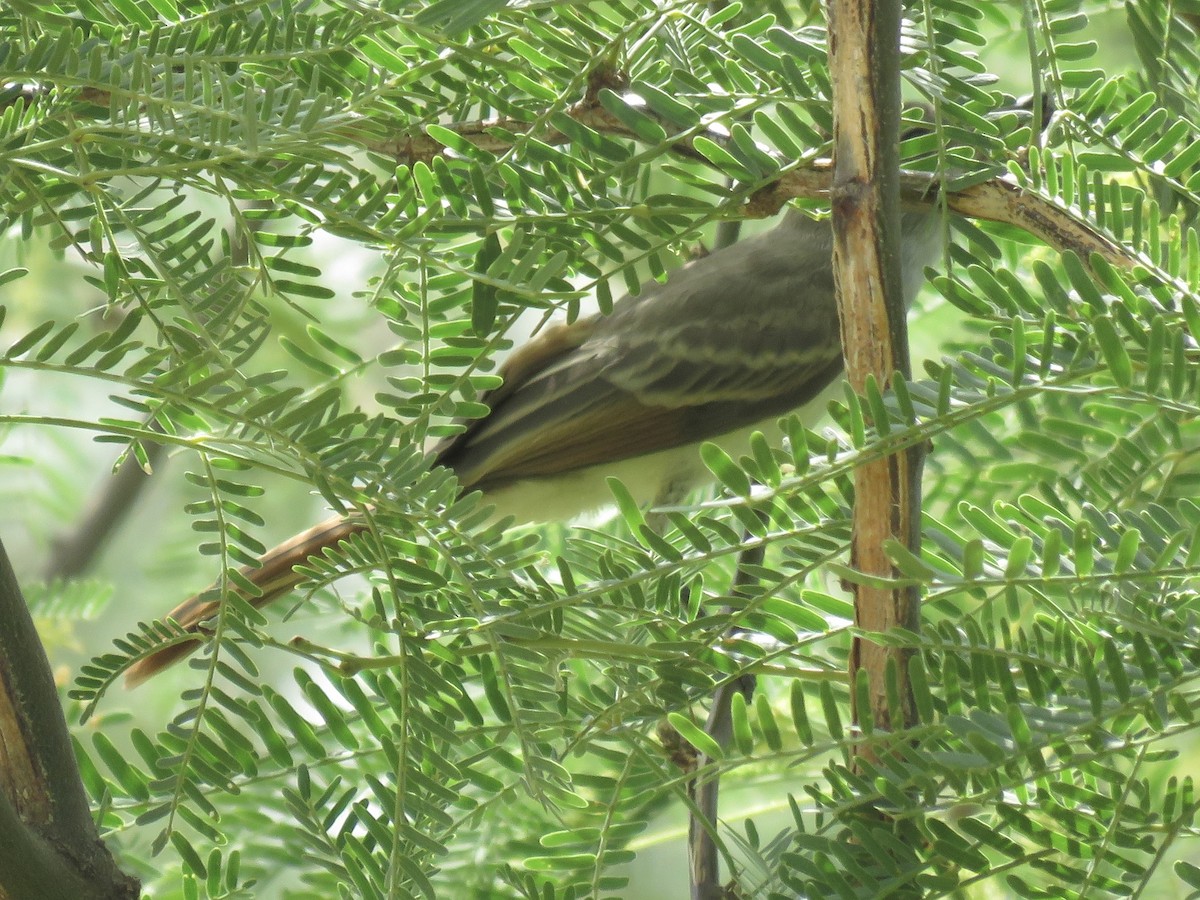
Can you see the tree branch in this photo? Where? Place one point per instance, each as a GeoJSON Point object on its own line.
{"type": "Point", "coordinates": [997, 200]}
{"type": "Point", "coordinates": [74, 552]}
{"type": "Point", "coordinates": [49, 845]}
{"type": "Point", "coordinates": [864, 52]}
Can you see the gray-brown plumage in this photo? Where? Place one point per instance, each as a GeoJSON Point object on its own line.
{"type": "Point", "coordinates": [734, 339]}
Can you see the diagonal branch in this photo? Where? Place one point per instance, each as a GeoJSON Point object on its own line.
{"type": "Point", "coordinates": [74, 552]}
{"type": "Point", "coordinates": [492, 135]}
{"type": "Point", "coordinates": [997, 200]}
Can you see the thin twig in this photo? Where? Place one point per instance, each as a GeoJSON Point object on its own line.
{"type": "Point", "coordinates": [705, 788]}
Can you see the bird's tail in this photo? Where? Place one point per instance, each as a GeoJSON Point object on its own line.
{"type": "Point", "coordinates": [275, 576]}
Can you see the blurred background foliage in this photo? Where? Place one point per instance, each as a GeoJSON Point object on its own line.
{"type": "Point", "coordinates": [274, 266]}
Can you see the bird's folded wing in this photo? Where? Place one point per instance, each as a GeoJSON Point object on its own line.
{"type": "Point", "coordinates": [715, 349]}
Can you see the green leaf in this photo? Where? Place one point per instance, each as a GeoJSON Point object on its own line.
{"type": "Point", "coordinates": [485, 300]}
{"type": "Point", "coordinates": [10, 275]}
{"type": "Point", "coordinates": [321, 339]}
{"type": "Point", "coordinates": [454, 16]}
{"type": "Point", "coordinates": [695, 736]}
{"type": "Point", "coordinates": [133, 13]}
{"type": "Point", "coordinates": [1019, 554]}
{"type": "Point", "coordinates": [313, 362]}
{"type": "Point", "coordinates": [642, 125]}
{"type": "Point", "coordinates": [723, 159]}
{"type": "Point", "coordinates": [725, 469]}
{"type": "Point", "coordinates": [23, 343]}
{"type": "Point", "coordinates": [1188, 873]}
{"type": "Point", "coordinates": [766, 722]}
{"type": "Point", "coordinates": [627, 506]}
{"type": "Point", "coordinates": [1113, 349]}
{"type": "Point", "coordinates": [907, 562]}
{"type": "Point", "coordinates": [743, 737]}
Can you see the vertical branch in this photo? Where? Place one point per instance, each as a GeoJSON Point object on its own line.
{"type": "Point", "coordinates": [864, 54]}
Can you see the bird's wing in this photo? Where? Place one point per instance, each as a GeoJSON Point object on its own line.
{"type": "Point", "coordinates": [729, 340]}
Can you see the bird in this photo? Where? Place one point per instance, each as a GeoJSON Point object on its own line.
{"type": "Point", "coordinates": [724, 346]}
